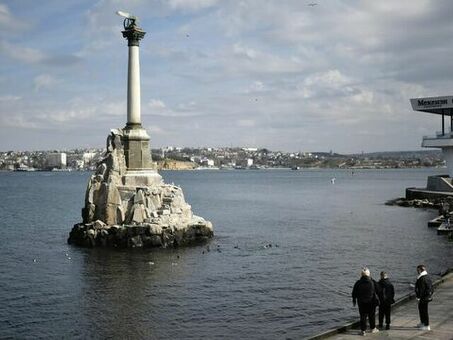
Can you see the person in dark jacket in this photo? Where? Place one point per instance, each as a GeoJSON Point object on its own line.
{"type": "Point", "coordinates": [386, 293]}
{"type": "Point", "coordinates": [364, 293]}
{"type": "Point", "coordinates": [423, 292]}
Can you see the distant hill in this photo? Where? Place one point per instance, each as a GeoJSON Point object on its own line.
{"type": "Point", "coordinates": [401, 154]}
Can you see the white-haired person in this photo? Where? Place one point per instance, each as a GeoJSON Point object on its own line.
{"type": "Point", "coordinates": [364, 294]}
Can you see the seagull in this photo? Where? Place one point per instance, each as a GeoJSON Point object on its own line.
{"type": "Point", "coordinates": [312, 4]}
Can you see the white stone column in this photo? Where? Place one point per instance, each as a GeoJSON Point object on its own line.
{"type": "Point", "coordinates": [133, 87]}
{"type": "Point", "coordinates": [133, 34]}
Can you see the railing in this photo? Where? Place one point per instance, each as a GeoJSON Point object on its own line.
{"type": "Point", "coordinates": [439, 135]}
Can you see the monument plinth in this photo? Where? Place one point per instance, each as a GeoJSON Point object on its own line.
{"type": "Point", "coordinates": [127, 204]}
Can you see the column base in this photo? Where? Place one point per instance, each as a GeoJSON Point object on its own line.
{"type": "Point", "coordinates": [141, 177]}
{"type": "Point", "coordinates": [136, 149]}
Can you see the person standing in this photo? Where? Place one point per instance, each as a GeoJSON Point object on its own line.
{"type": "Point", "coordinates": [386, 293]}
{"type": "Point", "coordinates": [364, 293]}
{"type": "Point", "coordinates": [424, 293]}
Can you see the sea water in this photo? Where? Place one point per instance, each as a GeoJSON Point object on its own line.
{"type": "Point", "coordinates": [288, 247]}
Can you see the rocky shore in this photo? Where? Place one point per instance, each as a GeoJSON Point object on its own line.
{"type": "Point", "coordinates": [144, 235]}
{"type": "Point", "coordinates": [416, 203]}
{"type": "Point", "coordinates": [433, 203]}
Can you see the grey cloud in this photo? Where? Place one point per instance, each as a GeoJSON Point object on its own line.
{"type": "Point", "coordinates": [62, 60]}
{"type": "Point", "coordinates": [10, 23]}
{"type": "Point", "coordinates": [34, 56]}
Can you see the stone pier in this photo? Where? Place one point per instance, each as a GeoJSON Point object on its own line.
{"type": "Point", "coordinates": [405, 318]}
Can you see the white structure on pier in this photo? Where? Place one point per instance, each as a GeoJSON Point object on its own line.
{"type": "Point", "coordinates": [442, 106]}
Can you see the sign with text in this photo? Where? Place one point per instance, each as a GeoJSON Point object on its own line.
{"type": "Point", "coordinates": [433, 104]}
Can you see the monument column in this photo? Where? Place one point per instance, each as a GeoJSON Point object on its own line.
{"type": "Point", "coordinates": [135, 139]}
{"type": "Point", "coordinates": [133, 34]}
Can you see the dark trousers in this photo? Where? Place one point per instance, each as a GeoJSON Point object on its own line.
{"type": "Point", "coordinates": [367, 310]}
{"type": "Point", "coordinates": [384, 309]}
{"type": "Point", "coordinates": [423, 312]}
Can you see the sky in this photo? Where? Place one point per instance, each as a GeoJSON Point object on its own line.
{"type": "Point", "coordinates": [253, 73]}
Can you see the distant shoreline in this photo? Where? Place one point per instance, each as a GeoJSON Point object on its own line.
{"type": "Point", "coordinates": [192, 167]}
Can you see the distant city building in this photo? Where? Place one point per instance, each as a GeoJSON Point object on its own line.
{"type": "Point", "coordinates": [195, 159]}
{"type": "Point", "coordinates": [56, 160]}
{"type": "Point", "coordinates": [249, 162]}
{"type": "Point", "coordinates": [88, 157]}
{"type": "Point", "coordinates": [79, 164]}
{"type": "Point", "coordinates": [207, 162]}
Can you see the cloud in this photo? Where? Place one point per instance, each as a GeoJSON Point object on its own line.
{"type": "Point", "coordinates": [30, 55]}
{"type": "Point", "coordinates": [247, 60]}
{"type": "Point", "coordinates": [156, 107]}
{"type": "Point", "coordinates": [23, 54]}
{"type": "Point", "coordinates": [44, 81]}
{"type": "Point", "coordinates": [17, 121]}
{"type": "Point", "coordinates": [156, 104]}
{"type": "Point", "coordinates": [246, 122]}
{"type": "Point", "coordinates": [9, 23]}
{"type": "Point", "coordinates": [155, 130]}
{"type": "Point", "coordinates": [192, 5]}
{"type": "Point", "coordinates": [9, 98]}
{"type": "Point", "coordinates": [276, 74]}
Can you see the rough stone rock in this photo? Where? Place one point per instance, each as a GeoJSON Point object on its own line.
{"type": "Point", "coordinates": [98, 224]}
{"type": "Point", "coordinates": [139, 214]}
{"type": "Point", "coordinates": [88, 212]}
{"type": "Point", "coordinates": [113, 204]}
{"type": "Point", "coordinates": [101, 169]}
{"type": "Point", "coordinates": [156, 241]}
{"type": "Point", "coordinates": [134, 208]}
{"type": "Point", "coordinates": [135, 242]}
{"type": "Point", "coordinates": [155, 229]}
{"type": "Point", "coordinates": [139, 198]}
{"type": "Point", "coordinates": [147, 241]}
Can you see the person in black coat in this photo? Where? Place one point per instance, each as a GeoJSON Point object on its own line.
{"type": "Point", "coordinates": [386, 293]}
{"type": "Point", "coordinates": [423, 292]}
{"type": "Point", "coordinates": [364, 293]}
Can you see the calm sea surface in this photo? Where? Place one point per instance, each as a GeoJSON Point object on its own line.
{"type": "Point", "coordinates": [240, 289]}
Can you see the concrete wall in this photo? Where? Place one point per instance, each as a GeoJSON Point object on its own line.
{"type": "Point", "coordinates": [439, 183]}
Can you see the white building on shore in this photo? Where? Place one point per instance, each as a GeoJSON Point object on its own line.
{"type": "Point", "coordinates": [56, 160]}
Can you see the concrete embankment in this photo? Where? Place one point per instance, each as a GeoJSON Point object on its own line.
{"type": "Point", "coordinates": [405, 318]}
{"type": "Point", "coordinates": [175, 165]}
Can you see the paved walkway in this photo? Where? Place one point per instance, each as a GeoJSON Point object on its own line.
{"type": "Point", "coordinates": [405, 317]}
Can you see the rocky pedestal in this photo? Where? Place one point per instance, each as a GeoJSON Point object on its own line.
{"type": "Point", "coordinates": [134, 208]}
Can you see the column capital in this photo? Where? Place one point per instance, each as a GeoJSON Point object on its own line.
{"type": "Point", "coordinates": [133, 34]}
